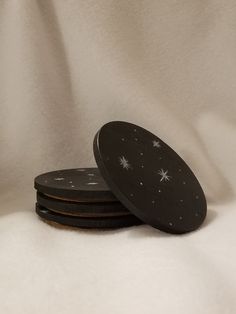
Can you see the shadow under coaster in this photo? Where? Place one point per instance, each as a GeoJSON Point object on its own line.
{"type": "Point", "coordinates": [87, 222]}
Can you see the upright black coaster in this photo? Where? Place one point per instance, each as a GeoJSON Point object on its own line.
{"type": "Point", "coordinates": [81, 222]}
{"type": "Point", "coordinates": [149, 178]}
{"type": "Point", "coordinates": [108, 209]}
{"type": "Point", "coordinates": [82, 185]}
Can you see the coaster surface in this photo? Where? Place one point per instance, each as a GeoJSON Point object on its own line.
{"type": "Point", "coordinates": [109, 209]}
{"type": "Point", "coordinates": [96, 223]}
{"type": "Point", "coordinates": [82, 185]}
{"type": "Point", "coordinates": [149, 178]}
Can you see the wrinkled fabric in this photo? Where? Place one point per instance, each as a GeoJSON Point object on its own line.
{"type": "Point", "coordinates": [68, 67]}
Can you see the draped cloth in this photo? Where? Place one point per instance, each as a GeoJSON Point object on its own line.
{"type": "Point", "coordinates": [68, 67]}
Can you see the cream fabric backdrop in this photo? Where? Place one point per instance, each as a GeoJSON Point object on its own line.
{"type": "Point", "coordinates": [66, 68]}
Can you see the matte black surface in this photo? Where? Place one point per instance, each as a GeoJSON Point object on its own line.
{"type": "Point", "coordinates": [82, 185]}
{"type": "Point", "coordinates": [96, 223]}
{"type": "Point", "coordinates": [149, 178]}
{"type": "Point", "coordinates": [83, 209]}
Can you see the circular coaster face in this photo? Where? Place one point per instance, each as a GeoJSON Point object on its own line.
{"type": "Point", "coordinates": [81, 222]}
{"type": "Point", "coordinates": [110, 209]}
{"type": "Point", "coordinates": [149, 178]}
{"type": "Point", "coordinates": [81, 185]}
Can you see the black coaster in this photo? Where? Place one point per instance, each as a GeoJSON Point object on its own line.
{"type": "Point", "coordinates": [149, 178]}
{"type": "Point", "coordinates": [79, 185]}
{"type": "Point", "coordinates": [109, 209]}
{"type": "Point", "coordinates": [96, 223]}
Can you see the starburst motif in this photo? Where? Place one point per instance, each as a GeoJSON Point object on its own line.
{"type": "Point", "coordinates": [156, 144]}
{"type": "Point", "coordinates": [164, 176]}
{"type": "Point", "coordinates": [124, 163]}
{"type": "Point", "coordinates": [59, 179]}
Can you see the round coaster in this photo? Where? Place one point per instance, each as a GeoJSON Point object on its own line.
{"type": "Point", "coordinates": [109, 209]}
{"type": "Point", "coordinates": [96, 223]}
{"type": "Point", "coordinates": [149, 178]}
{"type": "Point", "coordinates": [79, 185]}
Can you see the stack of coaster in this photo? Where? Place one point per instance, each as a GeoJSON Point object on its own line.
{"type": "Point", "coordinates": [140, 180]}
{"type": "Point", "coordinates": [80, 198]}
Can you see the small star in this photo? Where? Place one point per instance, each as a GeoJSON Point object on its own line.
{"type": "Point", "coordinates": [153, 202]}
{"type": "Point", "coordinates": [141, 183]}
{"type": "Point", "coordinates": [184, 182]}
{"type": "Point", "coordinates": [123, 139]}
{"type": "Point", "coordinates": [141, 154]}
{"type": "Point", "coordinates": [170, 224]}
{"type": "Point", "coordinates": [131, 194]}
{"type": "Point", "coordinates": [72, 186]}
{"type": "Point", "coordinates": [159, 191]}
{"type": "Point", "coordinates": [156, 144]}
{"type": "Point", "coordinates": [142, 166]}
{"type": "Point", "coordinates": [59, 179]}
{"type": "Point", "coordinates": [181, 201]}
{"type": "Point", "coordinates": [180, 217]}
{"type": "Point", "coordinates": [124, 163]}
{"type": "Point", "coordinates": [164, 175]}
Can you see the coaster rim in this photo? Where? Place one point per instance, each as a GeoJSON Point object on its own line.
{"type": "Point", "coordinates": [82, 209]}
{"type": "Point", "coordinates": [87, 223]}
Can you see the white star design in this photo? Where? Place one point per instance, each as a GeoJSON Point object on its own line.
{"type": "Point", "coordinates": [59, 179]}
{"type": "Point", "coordinates": [124, 163]}
{"type": "Point", "coordinates": [156, 144]}
{"type": "Point", "coordinates": [164, 175]}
